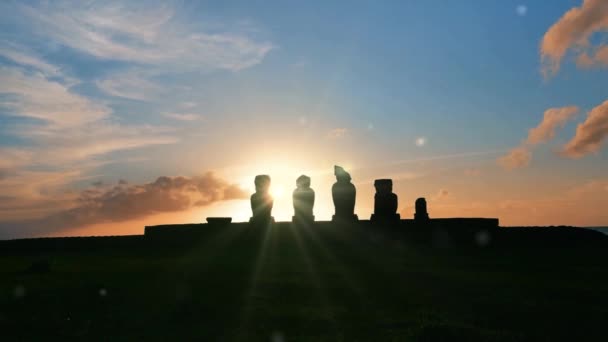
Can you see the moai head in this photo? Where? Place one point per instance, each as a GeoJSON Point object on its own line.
{"type": "Point", "coordinates": [303, 182]}
{"type": "Point", "coordinates": [383, 186]}
{"type": "Point", "coordinates": [262, 183]}
{"type": "Point", "coordinates": [341, 174]}
{"type": "Point", "coordinates": [421, 205]}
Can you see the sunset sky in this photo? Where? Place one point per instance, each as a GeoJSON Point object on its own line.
{"type": "Point", "coordinates": [115, 115]}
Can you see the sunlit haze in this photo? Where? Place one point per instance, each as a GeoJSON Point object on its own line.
{"type": "Point", "coordinates": [119, 114]}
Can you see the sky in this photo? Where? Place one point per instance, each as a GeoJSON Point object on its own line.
{"type": "Point", "coordinates": [119, 114]}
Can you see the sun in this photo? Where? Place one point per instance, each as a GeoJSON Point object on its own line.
{"type": "Point", "coordinates": [277, 191]}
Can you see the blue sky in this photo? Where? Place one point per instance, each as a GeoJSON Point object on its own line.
{"type": "Point", "coordinates": [121, 90]}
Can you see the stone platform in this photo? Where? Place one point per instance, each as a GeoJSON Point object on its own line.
{"type": "Point", "coordinates": [453, 226]}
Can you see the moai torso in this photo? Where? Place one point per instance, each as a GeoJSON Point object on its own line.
{"type": "Point", "coordinates": [344, 194]}
{"type": "Point", "coordinates": [385, 201]}
{"type": "Point", "coordinates": [303, 202]}
{"type": "Point", "coordinates": [261, 205]}
{"type": "Point", "coordinates": [261, 201]}
{"type": "Point", "coordinates": [303, 199]}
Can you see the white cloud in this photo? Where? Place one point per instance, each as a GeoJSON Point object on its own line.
{"type": "Point", "coordinates": [38, 97]}
{"type": "Point", "coordinates": [130, 85]}
{"type": "Point", "coordinates": [146, 34]}
{"type": "Point", "coordinates": [19, 56]}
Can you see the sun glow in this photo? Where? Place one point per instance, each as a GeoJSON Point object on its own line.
{"type": "Point", "coordinates": [277, 191]}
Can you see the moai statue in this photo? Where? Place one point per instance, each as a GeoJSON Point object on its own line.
{"type": "Point", "coordinates": [421, 214]}
{"type": "Point", "coordinates": [261, 201]}
{"type": "Point", "coordinates": [344, 194]}
{"type": "Point", "coordinates": [385, 201]}
{"type": "Point", "coordinates": [303, 200]}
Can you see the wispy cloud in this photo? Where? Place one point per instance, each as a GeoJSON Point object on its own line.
{"type": "Point", "coordinates": [131, 85]}
{"type": "Point", "coordinates": [74, 132]}
{"type": "Point", "coordinates": [183, 116]}
{"type": "Point", "coordinates": [21, 56]}
{"type": "Point", "coordinates": [572, 32]}
{"type": "Point", "coordinates": [144, 34]}
{"type": "Point", "coordinates": [34, 95]}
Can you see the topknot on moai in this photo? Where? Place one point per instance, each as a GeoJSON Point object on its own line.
{"type": "Point", "coordinates": [344, 194]}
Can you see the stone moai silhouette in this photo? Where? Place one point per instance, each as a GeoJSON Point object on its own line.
{"type": "Point", "coordinates": [344, 194]}
{"type": "Point", "coordinates": [421, 214]}
{"type": "Point", "coordinates": [303, 200]}
{"type": "Point", "coordinates": [261, 201]}
{"type": "Point", "coordinates": [385, 201]}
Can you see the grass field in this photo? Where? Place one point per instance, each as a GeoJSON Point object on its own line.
{"type": "Point", "coordinates": [302, 284]}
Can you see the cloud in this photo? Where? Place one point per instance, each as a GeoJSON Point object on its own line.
{"type": "Point", "coordinates": [598, 58]}
{"type": "Point", "coordinates": [572, 32]}
{"type": "Point", "coordinates": [590, 134]}
{"type": "Point", "coordinates": [337, 133]}
{"type": "Point", "coordinates": [35, 193]}
{"type": "Point", "coordinates": [145, 33]}
{"type": "Point", "coordinates": [130, 85]}
{"type": "Point", "coordinates": [34, 95]}
{"type": "Point", "coordinates": [19, 56]}
{"type": "Point", "coordinates": [123, 202]}
{"type": "Point", "coordinates": [69, 128]}
{"type": "Point", "coordinates": [516, 158]}
{"type": "Point", "coordinates": [183, 116]}
{"type": "Point", "coordinates": [553, 118]}
{"type": "Point", "coordinates": [63, 147]}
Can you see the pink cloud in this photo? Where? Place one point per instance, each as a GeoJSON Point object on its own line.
{"type": "Point", "coordinates": [516, 158]}
{"type": "Point", "coordinates": [590, 134]}
{"type": "Point", "coordinates": [597, 59]}
{"type": "Point", "coordinates": [124, 202]}
{"type": "Point", "coordinates": [572, 32]}
{"type": "Point", "coordinates": [553, 118]}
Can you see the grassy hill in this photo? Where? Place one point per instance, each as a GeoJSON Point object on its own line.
{"type": "Point", "coordinates": [284, 283]}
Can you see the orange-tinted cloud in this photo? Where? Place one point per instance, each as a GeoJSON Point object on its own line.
{"type": "Point", "coordinates": [553, 118]}
{"type": "Point", "coordinates": [124, 202]}
{"type": "Point", "coordinates": [516, 158]}
{"type": "Point", "coordinates": [572, 32]}
{"type": "Point", "coordinates": [597, 59]}
{"type": "Point", "coordinates": [590, 134]}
